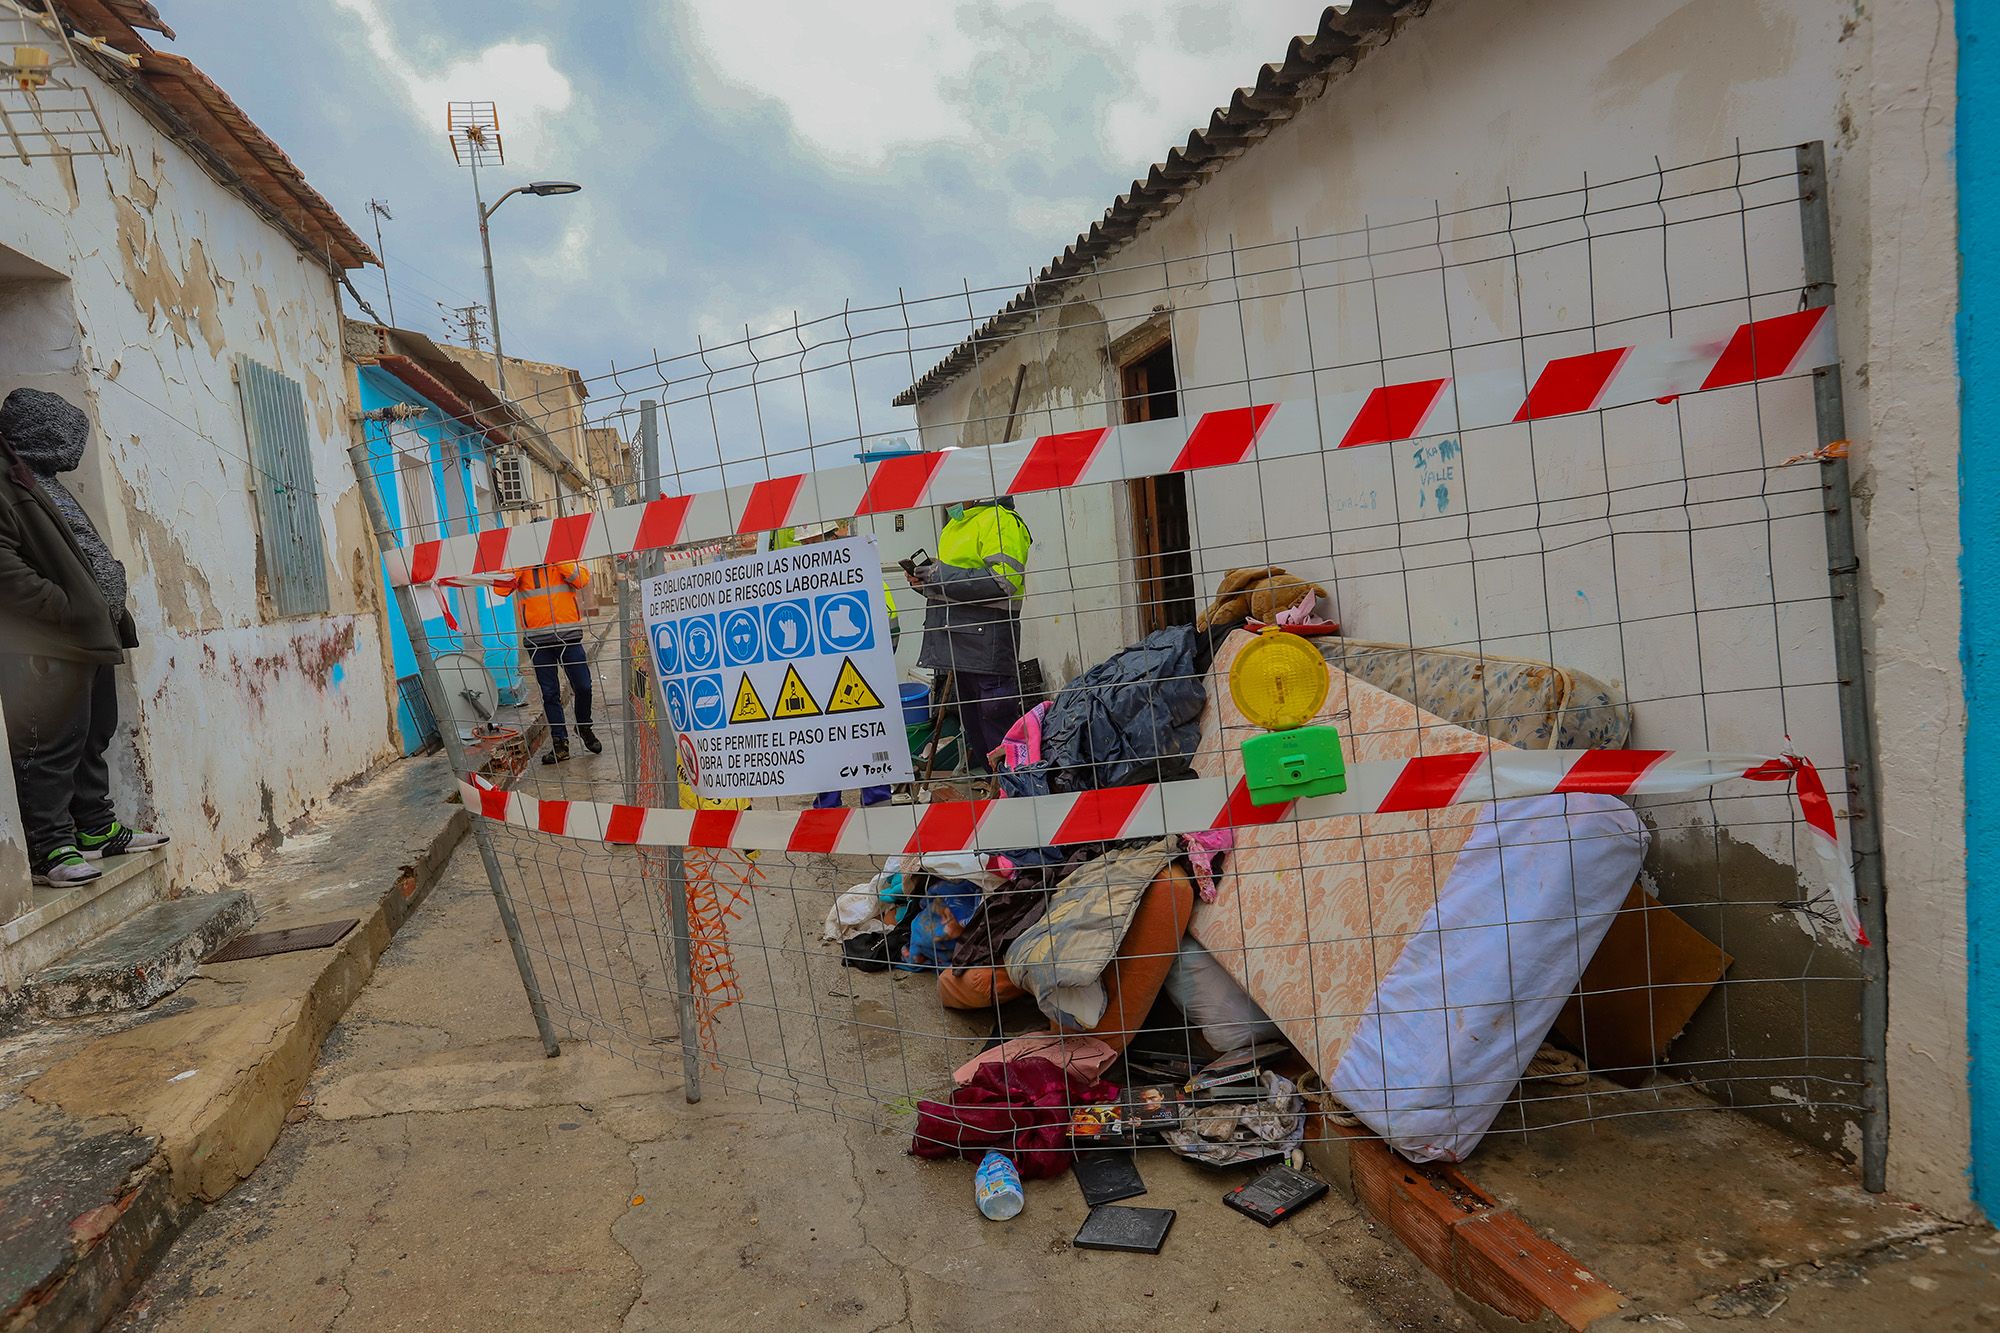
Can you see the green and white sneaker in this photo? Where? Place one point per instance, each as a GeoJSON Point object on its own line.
{"type": "Point", "coordinates": [63, 867]}
{"type": "Point", "coordinates": [116, 841]}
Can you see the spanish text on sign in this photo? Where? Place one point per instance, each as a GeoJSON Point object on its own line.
{"type": "Point", "coordinates": [778, 668]}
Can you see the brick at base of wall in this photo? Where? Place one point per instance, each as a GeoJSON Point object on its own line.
{"type": "Point", "coordinates": [1484, 1252]}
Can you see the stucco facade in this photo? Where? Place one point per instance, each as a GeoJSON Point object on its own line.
{"type": "Point", "coordinates": [1473, 99]}
{"type": "Point", "coordinates": [131, 285]}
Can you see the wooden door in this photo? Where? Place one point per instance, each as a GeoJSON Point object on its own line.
{"type": "Point", "coordinates": [1163, 564]}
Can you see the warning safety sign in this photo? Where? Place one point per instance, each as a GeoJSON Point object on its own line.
{"type": "Point", "coordinates": [778, 668]}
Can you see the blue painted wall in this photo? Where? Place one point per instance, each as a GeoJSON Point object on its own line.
{"type": "Point", "coordinates": [1979, 562]}
{"type": "Point", "coordinates": [448, 475]}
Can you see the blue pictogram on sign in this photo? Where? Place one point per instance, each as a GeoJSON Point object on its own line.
{"type": "Point", "coordinates": [705, 711]}
{"type": "Point", "coordinates": [787, 630]}
{"type": "Point", "coordinates": [844, 622]}
{"type": "Point", "coordinates": [667, 648]}
{"type": "Point", "coordinates": [742, 637]}
{"type": "Point", "coordinates": [677, 704]}
{"type": "Point", "coordinates": [700, 649]}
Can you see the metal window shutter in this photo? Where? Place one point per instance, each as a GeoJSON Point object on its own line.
{"type": "Point", "coordinates": [294, 547]}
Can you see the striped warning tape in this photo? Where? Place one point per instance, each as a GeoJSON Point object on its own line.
{"type": "Point", "coordinates": [1612, 377]}
{"type": "Point", "coordinates": [1428, 782]}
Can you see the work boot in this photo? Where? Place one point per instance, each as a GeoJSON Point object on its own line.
{"type": "Point", "coordinates": [557, 753]}
{"type": "Point", "coordinates": [590, 741]}
{"type": "Point", "coordinates": [63, 867]}
{"type": "Point", "coordinates": [117, 839]}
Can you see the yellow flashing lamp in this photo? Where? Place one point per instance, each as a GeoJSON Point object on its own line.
{"type": "Point", "coordinates": [1279, 682]}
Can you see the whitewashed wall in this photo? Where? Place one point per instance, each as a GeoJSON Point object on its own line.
{"type": "Point", "coordinates": [1479, 97]}
{"type": "Point", "coordinates": [134, 281]}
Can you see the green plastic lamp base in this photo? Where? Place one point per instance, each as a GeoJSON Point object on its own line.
{"type": "Point", "coordinates": [1290, 765]}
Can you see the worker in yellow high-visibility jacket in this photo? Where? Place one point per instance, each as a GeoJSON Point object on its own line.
{"type": "Point", "coordinates": [972, 620]}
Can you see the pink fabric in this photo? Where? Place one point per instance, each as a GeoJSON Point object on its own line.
{"type": "Point", "coordinates": [1088, 1056]}
{"type": "Point", "coordinates": [1203, 850]}
{"type": "Point", "coordinates": [1305, 613]}
{"type": "Point", "coordinates": [1021, 1108]}
{"type": "Point", "coordinates": [1022, 744]}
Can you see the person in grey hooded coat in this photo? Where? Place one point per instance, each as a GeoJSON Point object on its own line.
{"type": "Point", "coordinates": [64, 627]}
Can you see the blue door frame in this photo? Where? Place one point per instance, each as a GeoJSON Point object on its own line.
{"type": "Point", "coordinates": [1979, 565]}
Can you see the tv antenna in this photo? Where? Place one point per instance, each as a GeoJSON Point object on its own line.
{"type": "Point", "coordinates": [380, 209]}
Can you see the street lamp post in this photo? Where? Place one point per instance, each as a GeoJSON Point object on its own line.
{"type": "Point", "coordinates": [542, 188]}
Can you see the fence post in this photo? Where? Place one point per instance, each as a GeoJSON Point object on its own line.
{"type": "Point", "coordinates": [454, 748]}
{"type": "Point", "coordinates": [1857, 726]}
{"type": "Point", "coordinates": [624, 579]}
{"type": "Point", "coordinates": [677, 904]}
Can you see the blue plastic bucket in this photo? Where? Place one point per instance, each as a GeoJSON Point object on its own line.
{"type": "Point", "coordinates": [916, 702]}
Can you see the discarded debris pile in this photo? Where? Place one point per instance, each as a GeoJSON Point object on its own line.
{"type": "Point", "coordinates": [1212, 993]}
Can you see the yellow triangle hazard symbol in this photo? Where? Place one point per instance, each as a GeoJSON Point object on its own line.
{"type": "Point", "coordinates": [851, 694]}
{"type": "Point", "coordinates": [794, 699]}
{"type": "Point", "coordinates": [749, 708]}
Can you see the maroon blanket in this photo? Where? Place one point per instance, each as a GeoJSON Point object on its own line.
{"type": "Point", "coordinates": [1020, 1107]}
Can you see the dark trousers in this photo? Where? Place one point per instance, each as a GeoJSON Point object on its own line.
{"type": "Point", "coordinates": [553, 659]}
{"type": "Point", "coordinates": [987, 707]}
{"type": "Point", "coordinates": [61, 717]}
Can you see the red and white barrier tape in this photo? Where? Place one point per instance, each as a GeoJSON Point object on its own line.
{"type": "Point", "coordinates": [488, 578]}
{"type": "Point", "coordinates": [1760, 350]}
{"type": "Point", "coordinates": [1428, 782]}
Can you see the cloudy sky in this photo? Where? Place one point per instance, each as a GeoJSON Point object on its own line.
{"type": "Point", "coordinates": [742, 159]}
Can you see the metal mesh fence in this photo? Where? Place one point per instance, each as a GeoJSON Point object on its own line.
{"type": "Point", "coordinates": [1559, 476]}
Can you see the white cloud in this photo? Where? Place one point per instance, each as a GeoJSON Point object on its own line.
{"type": "Point", "coordinates": [574, 246]}
{"type": "Point", "coordinates": [531, 92]}
{"type": "Point", "coordinates": [861, 81]}
{"type": "Point", "coordinates": [1056, 220]}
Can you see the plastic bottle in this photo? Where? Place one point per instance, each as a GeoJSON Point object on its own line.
{"type": "Point", "coordinates": [997, 1188]}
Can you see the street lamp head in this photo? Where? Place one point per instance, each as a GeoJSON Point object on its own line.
{"type": "Point", "coordinates": [551, 187]}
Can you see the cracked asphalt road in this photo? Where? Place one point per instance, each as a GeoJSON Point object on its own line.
{"type": "Point", "coordinates": [446, 1176]}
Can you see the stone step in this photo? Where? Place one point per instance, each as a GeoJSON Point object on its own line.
{"type": "Point", "coordinates": [63, 920]}
{"type": "Point", "coordinates": [142, 960]}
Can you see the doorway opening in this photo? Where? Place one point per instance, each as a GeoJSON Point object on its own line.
{"type": "Point", "coordinates": [1162, 535]}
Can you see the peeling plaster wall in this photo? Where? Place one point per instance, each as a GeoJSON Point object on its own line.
{"type": "Point", "coordinates": [1479, 96]}
{"type": "Point", "coordinates": [146, 279]}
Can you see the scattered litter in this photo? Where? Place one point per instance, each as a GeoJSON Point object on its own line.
{"type": "Point", "coordinates": [638, 1199]}
{"type": "Point", "coordinates": [1112, 1226]}
{"type": "Point", "coordinates": [1107, 1177]}
{"type": "Point", "coordinates": [1237, 1132]}
{"type": "Point", "coordinates": [1275, 1195]}
{"type": "Point", "coordinates": [184, 1074]}
{"type": "Point", "coordinates": [996, 1188]}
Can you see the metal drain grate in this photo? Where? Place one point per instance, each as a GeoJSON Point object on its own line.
{"type": "Point", "coordinates": [265, 943]}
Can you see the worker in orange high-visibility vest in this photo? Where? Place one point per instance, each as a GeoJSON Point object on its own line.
{"type": "Point", "coordinates": [552, 629]}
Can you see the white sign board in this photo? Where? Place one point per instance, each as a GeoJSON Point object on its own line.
{"type": "Point", "coordinates": [778, 668]}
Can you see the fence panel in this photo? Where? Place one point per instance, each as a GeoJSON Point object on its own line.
{"type": "Point", "coordinates": [1560, 469]}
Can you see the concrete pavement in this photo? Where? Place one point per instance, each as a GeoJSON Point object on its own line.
{"type": "Point", "coordinates": [442, 1175]}
{"type": "Point", "coordinates": [116, 1128]}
